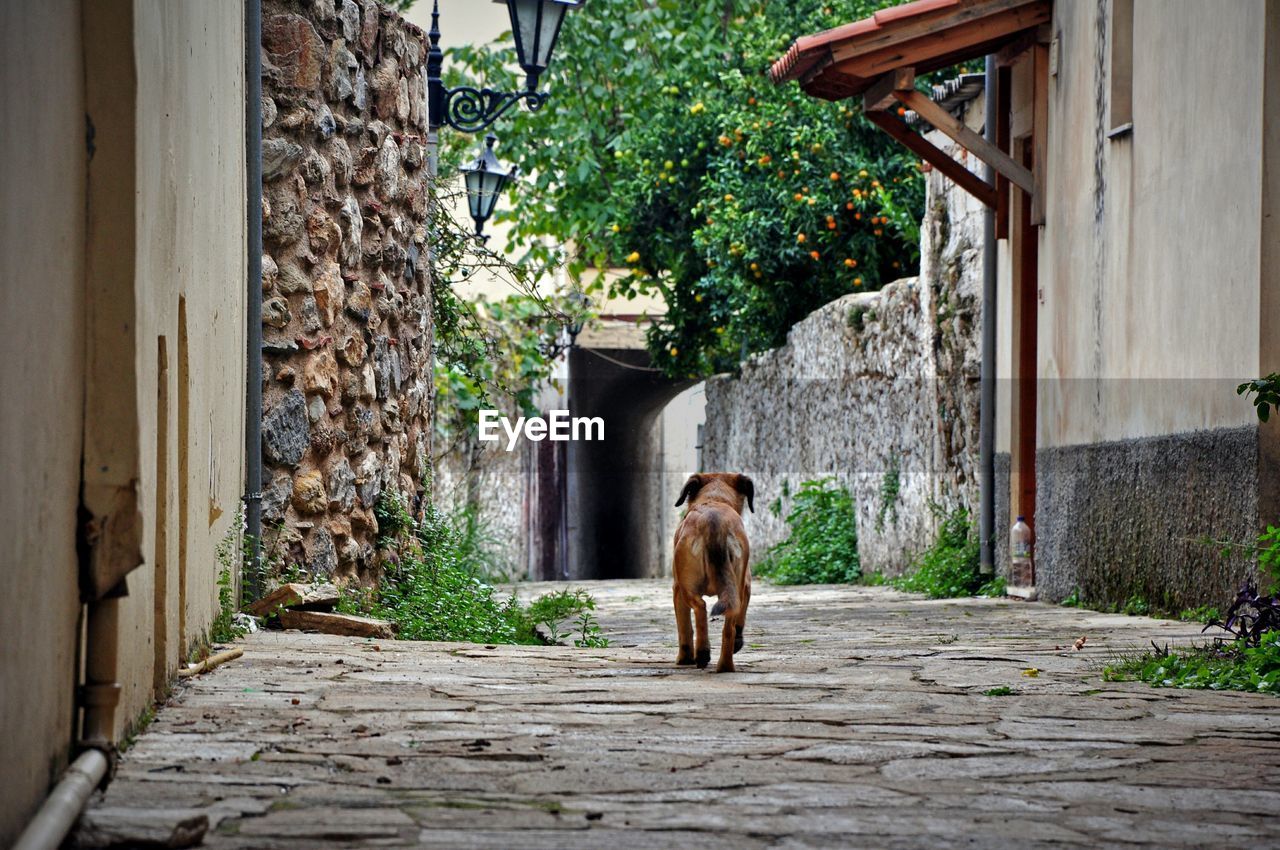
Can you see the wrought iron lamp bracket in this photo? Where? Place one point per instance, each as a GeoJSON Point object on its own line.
{"type": "Point", "coordinates": [471, 110]}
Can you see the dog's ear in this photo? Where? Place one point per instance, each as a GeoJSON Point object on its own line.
{"type": "Point", "coordinates": [747, 487]}
{"type": "Point", "coordinates": [691, 488]}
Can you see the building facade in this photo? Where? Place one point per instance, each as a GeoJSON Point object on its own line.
{"type": "Point", "coordinates": [1137, 250]}
{"type": "Point", "coordinates": [122, 308]}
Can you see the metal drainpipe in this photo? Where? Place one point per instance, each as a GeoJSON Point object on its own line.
{"type": "Point", "coordinates": [253, 305]}
{"type": "Point", "coordinates": [987, 404]}
{"type": "Point", "coordinates": [98, 697]}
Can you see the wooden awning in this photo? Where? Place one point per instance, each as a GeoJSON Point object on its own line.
{"type": "Point", "coordinates": [879, 58]}
{"type": "Point", "coordinates": [925, 35]}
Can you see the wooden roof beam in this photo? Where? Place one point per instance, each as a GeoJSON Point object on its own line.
{"type": "Point", "coordinates": [935, 156]}
{"type": "Point", "coordinates": [963, 136]}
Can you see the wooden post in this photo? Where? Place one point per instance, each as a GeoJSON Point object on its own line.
{"type": "Point", "coordinates": [1024, 250]}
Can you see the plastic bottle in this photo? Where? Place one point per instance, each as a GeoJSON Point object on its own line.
{"type": "Point", "coordinates": [1021, 570]}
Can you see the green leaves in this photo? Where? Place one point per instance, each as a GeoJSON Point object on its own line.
{"type": "Point", "coordinates": [1217, 667]}
{"type": "Point", "coordinates": [951, 566]}
{"type": "Point", "coordinates": [822, 547]}
{"type": "Point", "coordinates": [1265, 392]}
{"type": "Point", "coordinates": [664, 140]}
{"type": "Point", "coordinates": [437, 586]}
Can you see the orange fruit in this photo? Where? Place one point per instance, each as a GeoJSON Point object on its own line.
{"type": "Point", "coordinates": [800, 237]}
{"type": "Point", "coordinates": [814, 254]}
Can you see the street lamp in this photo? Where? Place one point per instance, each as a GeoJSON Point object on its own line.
{"type": "Point", "coordinates": [485, 178]}
{"type": "Point", "coordinates": [536, 26]}
{"type": "Point", "coordinates": [576, 322]}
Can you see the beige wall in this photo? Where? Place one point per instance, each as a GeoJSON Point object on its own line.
{"type": "Point", "coordinates": [191, 250]}
{"type": "Point", "coordinates": [181, 69]}
{"type": "Point", "coordinates": [1149, 312]}
{"type": "Point", "coordinates": [41, 384]}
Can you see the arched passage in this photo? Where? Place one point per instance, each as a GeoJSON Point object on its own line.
{"type": "Point", "coordinates": [615, 499]}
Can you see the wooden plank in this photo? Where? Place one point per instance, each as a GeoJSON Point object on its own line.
{"type": "Point", "coordinates": [939, 159]}
{"type": "Point", "coordinates": [881, 94]}
{"type": "Point", "coordinates": [295, 595]}
{"type": "Point", "coordinates": [956, 42]}
{"type": "Point", "coordinates": [1040, 131]}
{"type": "Point", "coordinates": [962, 135]}
{"type": "Point", "coordinates": [336, 624]}
{"type": "Point", "coordinates": [1011, 53]}
{"type": "Point", "coordinates": [922, 25]}
{"type": "Point", "coordinates": [1004, 103]}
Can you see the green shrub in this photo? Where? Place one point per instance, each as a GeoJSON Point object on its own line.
{"type": "Point", "coordinates": [822, 546]}
{"type": "Point", "coordinates": [553, 610]}
{"type": "Point", "coordinates": [437, 590]}
{"type": "Point", "coordinates": [1232, 667]}
{"type": "Point", "coordinates": [951, 566]}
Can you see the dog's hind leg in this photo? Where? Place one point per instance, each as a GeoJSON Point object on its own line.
{"type": "Point", "coordinates": [727, 641]}
{"type": "Point", "coordinates": [702, 643]}
{"type": "Point", "coordinates": [742, 618]}
{"type": "Point", "coordinates": [684, 628]}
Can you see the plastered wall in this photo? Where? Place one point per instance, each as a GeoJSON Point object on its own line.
{"type": "Point", "coordinates": [1150, 254]}
{"type": "Point", "coordinates": [41, 265]}
{"type": "Point", "coordinates": [168, 98]}
{"type": "Point", "coordinates": [190, 272]}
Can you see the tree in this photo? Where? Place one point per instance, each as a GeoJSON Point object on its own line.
{"type": "Point", "coordinates": [666, 150]}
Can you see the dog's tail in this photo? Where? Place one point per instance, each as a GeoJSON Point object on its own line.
{"type": "Point", "coordinates": [722, 550]}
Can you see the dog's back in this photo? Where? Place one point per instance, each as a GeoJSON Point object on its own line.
{"type": "Point", "coordinates": [712, 558]}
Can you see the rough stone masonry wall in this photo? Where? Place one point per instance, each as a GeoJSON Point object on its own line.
{"type": "Point", "coordinates": [879, 390]}
{"type": "Point", "coordinates": [346, 302]}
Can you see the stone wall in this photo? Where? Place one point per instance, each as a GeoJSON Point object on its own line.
{"type": "Point", "coordinates": [879, 390]}
{"type": "Point", "coordinates": [346, 301]}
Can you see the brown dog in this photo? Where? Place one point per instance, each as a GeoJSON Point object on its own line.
{"type": "Point", "coordinates": [712, 559]}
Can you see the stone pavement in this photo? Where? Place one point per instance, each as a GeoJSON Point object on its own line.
{"type": "Point", "coordinates": [856, 719]}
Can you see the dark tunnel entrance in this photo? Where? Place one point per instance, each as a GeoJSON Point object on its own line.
{"type": "Point", "coordinates": [614, 499]}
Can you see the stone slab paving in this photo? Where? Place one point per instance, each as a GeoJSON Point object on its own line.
{"type": "Point", "coordinates": [856, 720]}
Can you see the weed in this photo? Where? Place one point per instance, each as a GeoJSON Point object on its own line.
{"type": "Point", "coordinates": [230, 558]}
{"type": "Point", "coordinates": [822, 546]}
{"type": "Point", "coordinates": [1201, 614]}
{"type": "Point", "coordinates": [1136, 606]}
{"type": "Point", "coordinates": [950, 566]}
{"type": "Point", "coordinates": [1000, 691]}
{"type": "Point", "coordinates": [552, 610]}
{"type": "Point", "coordinates": [434, 591]}
{"type": "Point", "coordinates": [1074, 600]}
{"type": "Point", "coordinates": [890, 487]}
{"type": "Point", "coordinates": [137, 726]}
{"type": "Point", "coordinates": [1232, 666]}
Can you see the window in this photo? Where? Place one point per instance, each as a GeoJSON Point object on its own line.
{"type": "Point", "coordinates": [1120, 38]}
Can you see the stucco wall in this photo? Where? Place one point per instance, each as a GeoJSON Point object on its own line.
{"type": "Point", "coordinates": [170, 90]}
{"type": "Point", "coordinates": [41, 333]}
{"type": "Point", "coordinates": [346, 304]}
{"type": "Point", "coordinates": [1152, 285]}
{"type": "Point", "coordinates": [1151, 281]}
{"type": "Point", "coordinates": [190, 291]}
{"type": "Point", "coordinates": [1150, 252]}
{"type": "Point", "coordinates": [873, 389]}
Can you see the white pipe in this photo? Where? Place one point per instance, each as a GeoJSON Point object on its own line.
{"type": "Point", "coordinates": [65, 803]}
